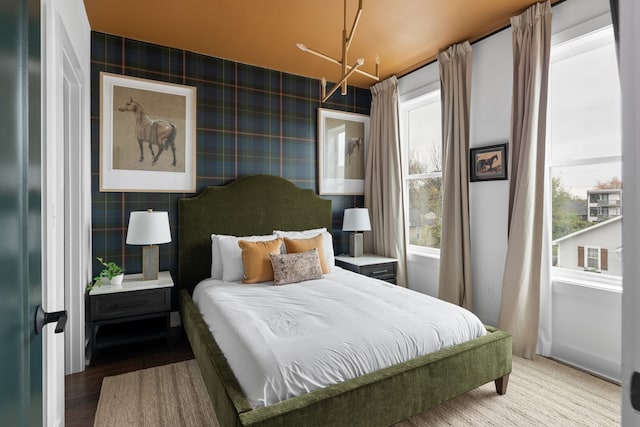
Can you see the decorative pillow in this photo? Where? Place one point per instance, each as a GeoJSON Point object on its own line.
{"type": "Point", "coordinates": [231, 255]}
{"type": "Point", "coordinates": [305, 234]}
{"type": "Point", "coordinates": [298, 267]}
{"type": "Point", "coordinates": [256, 261]}
{"type": "Point", "coordinates": [301, 245]}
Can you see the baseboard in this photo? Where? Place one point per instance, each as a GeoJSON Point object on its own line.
{"type": "Point", "coordinates": [606, 369]}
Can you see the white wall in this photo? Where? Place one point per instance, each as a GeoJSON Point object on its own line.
{"type": "Point", "coordinates": [586, 327]}
{"type": "Point", "coordinates": [490, 124]}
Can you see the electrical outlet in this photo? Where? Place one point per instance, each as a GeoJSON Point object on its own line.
{"type": "Point", "coordinates": [490, 290]}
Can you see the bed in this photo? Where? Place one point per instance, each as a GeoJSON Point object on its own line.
{"type": "Point", "coordinates": [258, 205]}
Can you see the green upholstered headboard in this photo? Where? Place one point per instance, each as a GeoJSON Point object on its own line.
{"type": "Point", "coordinates": [252, 205]}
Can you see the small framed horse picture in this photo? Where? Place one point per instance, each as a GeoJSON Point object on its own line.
{"type": "Point", "coordinates": [488, 163]}
{"type": "Point", "coordinates": [147, 135]}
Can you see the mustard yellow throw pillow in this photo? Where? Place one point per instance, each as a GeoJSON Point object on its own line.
{"type": "Point", "coordinates": [302, 245]}
{"type": "Point", "coordinates": [256, 261]}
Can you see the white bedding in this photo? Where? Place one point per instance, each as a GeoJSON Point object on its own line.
{"type": "Point", "coordinates": [283, 341]}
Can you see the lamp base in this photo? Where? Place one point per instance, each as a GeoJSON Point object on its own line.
{"type": "Point", "coordinates": [355, 244]}
{"type": "Point", "coordinates": [150, 262]}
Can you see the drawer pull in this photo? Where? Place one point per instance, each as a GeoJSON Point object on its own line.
{"type": "Point", "coordinates": [131, 304]}
{"type": "Point", "coordinates": [375, 273]}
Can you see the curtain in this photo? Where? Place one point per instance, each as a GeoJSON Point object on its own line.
{"type": "Point", "coordinates": [383, 177]}
{"type": "Point", "coordinates": [520, 306]}
{"type": "Point", "coordinates": [455, 248]}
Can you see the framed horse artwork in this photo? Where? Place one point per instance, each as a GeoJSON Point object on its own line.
{"type": "Point", "coordinates": [147, 136]}
{"type": "Point", "coordinates": [488, 163]}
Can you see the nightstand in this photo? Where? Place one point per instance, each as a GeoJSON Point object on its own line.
{"type": "Point", "coordinates": [138, 311]}
{"type": "Point", "coordinates": [376, 266]}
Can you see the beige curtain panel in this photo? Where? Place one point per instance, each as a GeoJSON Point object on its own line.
{"type": "Point", "coordinates": [383, 177]}
{"type": "Point", "coordinates": [455, 248]}
{"type": "Point", "coordinates": [519, 309]}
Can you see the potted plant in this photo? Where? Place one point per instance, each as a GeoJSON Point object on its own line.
{"type": "Point", "coordinates": [111, 271]}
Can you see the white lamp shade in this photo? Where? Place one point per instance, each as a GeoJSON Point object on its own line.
{"type": "Point", "coordinates": [148, 228]}
{"type": "Point", "coordinates": [356, 219]}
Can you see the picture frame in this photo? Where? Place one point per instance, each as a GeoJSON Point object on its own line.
{"type": "Point", "coordinates": [342, 145]}
{"type": "Point", "coordinates": [147, 135]}
{"type": "Point", "coordinates": [489, 163]}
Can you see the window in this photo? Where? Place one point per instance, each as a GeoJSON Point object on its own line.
{"type": "Point", "coordinates": [593, 259]}
{"type": "Point", "coordinates": [584, 133]}
{"type": "Point", "coordinates": [422, 142]}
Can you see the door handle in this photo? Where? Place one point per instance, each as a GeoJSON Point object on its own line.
{"type": "Point", "coordinates": [42, 318]}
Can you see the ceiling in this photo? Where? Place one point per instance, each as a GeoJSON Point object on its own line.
{"type": "Point", "coordinates": [406, 35]}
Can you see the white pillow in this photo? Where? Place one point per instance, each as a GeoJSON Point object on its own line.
{"type": "Point", "coordinates": [231, 255]}
{"type": "Point", "coordinates": [327, 241]}
{"type": "Point", "coordinates": [216, 260]}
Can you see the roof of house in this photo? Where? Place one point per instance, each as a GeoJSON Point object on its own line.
{"type": "Point", "coordinates": [577, 206]}
{"type": "Point", "coordinates": [588, 229]}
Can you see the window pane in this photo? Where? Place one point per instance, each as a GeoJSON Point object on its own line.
{"type": "Point", "coordinates": [424, 138]}
{"type": "Point", "coordinates": [584, 99]}
{"type": "Point", "coordinates": [425, 211]}
{"type": "Point", "coordinates": [586, 206]}
{"type": "Point", "coordinates": [585, 138]}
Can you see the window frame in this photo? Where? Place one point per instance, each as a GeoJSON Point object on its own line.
{"type": "Point", "coordinates": [587, 257]}
{"type": "Point", "coordinates": [560, 50]}
{"type": "Point", "coordinates": [427, 95]}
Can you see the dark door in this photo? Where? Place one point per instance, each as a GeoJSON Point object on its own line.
{"type": "Point", "coordinates": [20, 241]}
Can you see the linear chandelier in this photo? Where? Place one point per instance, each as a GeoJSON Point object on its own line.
{"type": "Point", "coordinates": [347, 70]}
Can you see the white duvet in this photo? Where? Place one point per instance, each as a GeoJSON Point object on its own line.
{"type": "Point", "coordinates": [283, 341]}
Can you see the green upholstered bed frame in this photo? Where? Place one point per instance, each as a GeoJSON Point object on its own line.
{"type": "Point", "coordinates": [258, 205]}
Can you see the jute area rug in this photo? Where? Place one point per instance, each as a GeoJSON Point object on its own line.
{"type": "Point", "coordinates": [540, 393]}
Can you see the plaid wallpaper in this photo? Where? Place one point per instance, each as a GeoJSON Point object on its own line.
{"type": "Point", "coordinates": [250, 120]}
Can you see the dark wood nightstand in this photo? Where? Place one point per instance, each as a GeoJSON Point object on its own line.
{"type": "Point", "coordinates": [376, 266]}
{"type": "Point", "coordinates": [138, 311]}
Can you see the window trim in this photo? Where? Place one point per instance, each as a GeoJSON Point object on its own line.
{"type": "Point", "coordinates": [586, 278]}
{"type": "Point", "coordinates": [423, 96]}
{"type": "Point", "coordinates": [597, 280]}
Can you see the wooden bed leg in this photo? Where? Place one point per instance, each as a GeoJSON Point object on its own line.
{"type": "Point", "coordinates": [501, 384]}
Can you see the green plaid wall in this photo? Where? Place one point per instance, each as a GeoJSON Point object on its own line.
{"type": "Point", "coordinates": [250, 120]}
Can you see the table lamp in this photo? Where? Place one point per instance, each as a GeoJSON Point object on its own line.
{"type": "Point", "coordinates": [149, 228]}
{"type": "Point", "coordinates": [356, 219]}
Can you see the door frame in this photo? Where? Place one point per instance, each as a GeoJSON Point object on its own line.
{"type": "Point", "coordinates": [630, 84]}
{"type": "Point", "coordinates": [66, 195]}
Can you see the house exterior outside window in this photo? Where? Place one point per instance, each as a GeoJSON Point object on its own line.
{"type": "Point", "coordinates": [594, 249]}
{"type": "Point", "coordinates": [604, 204]}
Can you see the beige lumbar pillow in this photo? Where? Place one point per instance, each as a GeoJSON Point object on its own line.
{"type": "Point", "coordinates": [302, 245]}
{"type": "Point", "coordinates": [256, 261]}
{"type": "Point", "coordinates": [297, 267]}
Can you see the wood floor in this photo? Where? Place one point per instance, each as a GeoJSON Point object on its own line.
{"type": "Point", "coordinates": [82, 390]}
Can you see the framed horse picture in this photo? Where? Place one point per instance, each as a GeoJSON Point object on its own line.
{"type": "Point", "coordinates": [488, 163]}
{"type": "Point", "coordinates": [147, 135]}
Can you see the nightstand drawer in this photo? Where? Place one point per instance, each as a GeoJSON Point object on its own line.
{"type": "Point", "coordinates": [110, 306]}
{"type": "Point", "coordinates": [380, 271]}
{"type": "Point", "coordinates": [376, 266]}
